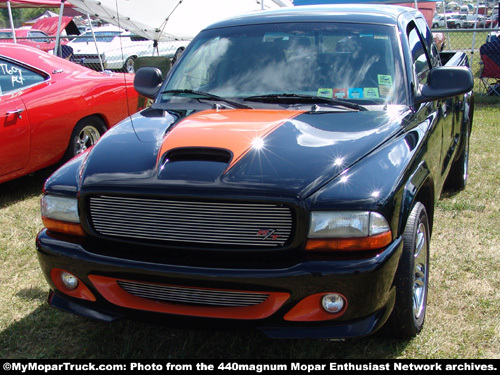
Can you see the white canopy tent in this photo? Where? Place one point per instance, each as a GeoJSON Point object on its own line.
{"type": "Point", "coordinates": [157, 20]}
{"type": "Point", "coordinates": [162, 20]}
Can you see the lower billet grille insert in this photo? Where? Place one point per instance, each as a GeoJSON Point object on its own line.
{"type": "Point", "coordinates": [210, 223]}
{"type": "Point", "coordinates": [196, 296]}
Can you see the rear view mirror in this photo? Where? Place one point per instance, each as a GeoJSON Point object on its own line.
{"type": "Point", "coordinates": [147, 81]}
{"type": "Point", "coordinates": [446, 82]}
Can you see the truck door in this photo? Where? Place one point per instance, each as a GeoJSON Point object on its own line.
{"type": "Point", "coordinates": [438, 113]}
{"type": "Point", "coordinates": [451, 125]}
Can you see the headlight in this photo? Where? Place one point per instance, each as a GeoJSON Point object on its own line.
{"type": "Point", "coordinates": [348, 230]}
{"type": "Point", "coordinates": [60, 208]}
{"type": "Point", "coordinates": [60, 214]}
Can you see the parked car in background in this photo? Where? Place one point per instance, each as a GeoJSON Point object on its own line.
{"type": "Point", "coordinates": [457, 21]}
{"type": "Point", "coordinates": [43, 33]}
{"type": "Point", "coordinates": [438, 21]}
{"type": "Point", "coordinates": [29, 37]}
{"type": "Point", "coordinates": [478, 21]}
{"type": "Point", "coordinates": [117, 49]}
{"type": "Point", "coordinates": [52, 109]}
{"type": "Point", "coordinates": [493, 19]}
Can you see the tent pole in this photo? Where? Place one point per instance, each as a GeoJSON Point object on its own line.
{"type": "Point", "coordinates": [446, 25]}
{"type": "Point", "coordinates": [474, 35]}
{"type": "Point", "coordinates": [95, 41]}
{"type": "Point", "coordinates": [11, 21]}
{"type": "Point", "coordinates": [57, 51]}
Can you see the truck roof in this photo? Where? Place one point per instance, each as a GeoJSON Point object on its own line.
{"type": "Point", "coordinates": [357, 13]}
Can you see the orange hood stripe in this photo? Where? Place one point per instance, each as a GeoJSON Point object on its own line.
{"type": "Point", "coordinates": [233, 130]}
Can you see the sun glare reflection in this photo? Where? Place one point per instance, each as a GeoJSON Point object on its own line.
{"type": "Point", "coordinates": [257, 144]}
{"type": "Point", "coordinates": [338, 162]}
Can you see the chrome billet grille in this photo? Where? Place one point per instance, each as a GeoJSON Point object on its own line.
{"type": "Point", "coordinates": [184, 295]}
{"type": "Point", "coordinates": [226, 224]}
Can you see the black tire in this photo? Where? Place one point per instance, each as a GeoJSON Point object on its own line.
{"type": "Point", "coordinates": [459, 171]}
{"type": "Point", "coordinates": [128, 66]}
{"type": "Point", "coordinates": [412, 277]}
{"type": "Point", "coordinates": [85, 134]}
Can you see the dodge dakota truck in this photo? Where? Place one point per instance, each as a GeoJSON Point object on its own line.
{"type": "Point", "coordinates": [284, 179]}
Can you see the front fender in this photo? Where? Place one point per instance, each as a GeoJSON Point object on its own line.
{"type": "Point", "coordinates": [377, 182]}
{"type": "Point", "coordinates": [418, 185]}
{"type": "Point", "coordinates": [67, 178]}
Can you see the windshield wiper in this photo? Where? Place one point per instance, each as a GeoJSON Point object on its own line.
{"type": "Point", "coordinates": [207, 96]}
{"type": "Point", "coordinates": [295, 98]}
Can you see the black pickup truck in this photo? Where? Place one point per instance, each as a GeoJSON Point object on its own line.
{"type": "Point", "coordinates": [285, 178]}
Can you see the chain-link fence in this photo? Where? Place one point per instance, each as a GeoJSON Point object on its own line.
{"type": "Point", "coordinates": [483, 49]}
{"type": "Point", "coordinates": [104, 49]}
{"type": "Point", "coordinates": [115, 50]}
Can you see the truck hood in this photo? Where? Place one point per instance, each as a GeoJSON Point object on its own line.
{"type": "Point", "coordinates": [260, 152]}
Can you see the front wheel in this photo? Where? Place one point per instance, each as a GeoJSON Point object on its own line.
{"type": "Point", "coordinates": [412, 277]}
{"type": "Point", "coordinates": [85, 134]}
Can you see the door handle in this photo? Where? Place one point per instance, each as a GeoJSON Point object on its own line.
{"type": "Point", "coordinates": [15, 112]}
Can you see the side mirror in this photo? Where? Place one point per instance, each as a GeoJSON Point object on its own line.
{"type": "Point", "coordinates": [445, 82]}
{"type": "Point", "coordinates": [147, 81]}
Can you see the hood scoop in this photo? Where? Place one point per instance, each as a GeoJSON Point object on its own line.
{"type": "Point", "coordinates": [194, 164]}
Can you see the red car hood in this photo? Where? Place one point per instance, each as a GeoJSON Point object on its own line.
{"type": "Point", "coordinates": [49, 25]}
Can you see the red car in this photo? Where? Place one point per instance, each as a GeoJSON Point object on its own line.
{"type": "Point", "coordinates": [52, 109]}
{"type": "Point", "coordinates": [29, 37]}
{"type": "Point", "coordinates": [43, 33]}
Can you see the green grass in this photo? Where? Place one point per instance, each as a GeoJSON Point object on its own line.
{"type": "Point", "coordinates": [464, 296]}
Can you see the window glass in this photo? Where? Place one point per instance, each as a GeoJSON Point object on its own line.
{"type": "Point", "coordinates": [420, 61]}
{"type": "Point", "coordinates": [101, 36]}
{"type": "Point", "coordinates": [39, 36]}
{"type": "Point", "coordinates": [342, 61]}
{"type": "Point", "coordinates": [15, 77]}
{"type": "Point", "coordinates": [6, 35]}
{"type": "Point", "coordinates": [429, 38]}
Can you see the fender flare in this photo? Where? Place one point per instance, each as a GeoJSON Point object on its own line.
{"type": "Point", "coordinates": [419, 186]}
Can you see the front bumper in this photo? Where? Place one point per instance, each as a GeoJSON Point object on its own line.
{"type": "Point", "coordinates": [291, 309]}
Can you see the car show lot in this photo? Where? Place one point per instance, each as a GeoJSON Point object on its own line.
{"type": "Point", "coordinates": [164, 156]}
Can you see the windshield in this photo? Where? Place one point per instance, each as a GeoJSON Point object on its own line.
{"type": "Point", "coordinates": [354, 62]}
{"type": "Point", "coordinates": [101, 36]}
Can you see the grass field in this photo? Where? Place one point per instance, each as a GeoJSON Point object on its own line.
{"type": "Point", "coordinates": [463, 318]}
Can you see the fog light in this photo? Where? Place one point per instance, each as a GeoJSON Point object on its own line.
{"type": "Point", "coordinates": [332, 303]}
{"type": "Point", "coordinates": [68, 280]}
